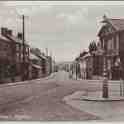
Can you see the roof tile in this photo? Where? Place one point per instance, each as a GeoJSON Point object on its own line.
{"type": "Point", "coordinates": [118, 24]}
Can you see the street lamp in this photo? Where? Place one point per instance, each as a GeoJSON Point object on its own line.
{"type": "Point", "coordinates": [118, 63]}
{"type": "Point", "coordinates": [105, 79]}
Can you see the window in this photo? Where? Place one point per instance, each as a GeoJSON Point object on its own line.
{"type": "Point", "coordinates": [110, 43]}
{"type": "Point", "coordinates": [21, 48]}
{"type": "Point", "coordinates": [17, 47]}
{"type": "Point", "coordinates": [110, 29]}
{"type": "Point", "coordinates": [117, 42]}
{"type": "Point", "coordinates": [17, 55]}
{"type": "Point", "coordinates": [109, 64]}
{"type": "Point", "coordinates": [105, 44]}
{"type": "Point", "coordinates": [5, 47]}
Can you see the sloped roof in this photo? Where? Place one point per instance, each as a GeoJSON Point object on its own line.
{"type": "Point", "coordinates": [32, 56]}
{"type": "Point", "coordinates": [85, 56]}
{"type": "Point", "coordinates": [43, 57]}
{"type": "Point", "coordinates": [118, 24]}
{"type": "Point", "coordinates": [99, 52]}
{"type": "Point", "coordinates": [4, 38]}
{"type": "Point", "coordinates": [17, 40]}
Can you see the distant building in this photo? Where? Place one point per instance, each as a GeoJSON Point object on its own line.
{"type": "Point", "coordinates": [40, 65]}
{"type": "Point", "coordinates": [75, 70]}
{"type": "Point", "coordinates": [35, 70]}
{"type": "Point", "coordinates": [97, 64]}
{"type": "Point", "coordinates": [5, 59]}
{"type": "Point", "coordinates": [86, 66]}
{"type": "Point", "coordinates": [48, 65]}
{"type": "Point", "coordinates": [91, 64]}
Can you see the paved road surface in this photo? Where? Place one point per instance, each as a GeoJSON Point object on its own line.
{"type": "Point", "coordinates": [42, 99]}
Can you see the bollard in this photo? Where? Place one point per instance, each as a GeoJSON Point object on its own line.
{"type": "Point", "coordinates": [123, 87]}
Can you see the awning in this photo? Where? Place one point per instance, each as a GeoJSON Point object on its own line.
{"type": "Point", "coordinates": [36, 66]}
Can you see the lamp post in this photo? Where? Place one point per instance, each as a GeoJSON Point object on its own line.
{"type": "Point", "coordinates": [120, 71]}
{"type": "Point", "coordinates": [105, 79]}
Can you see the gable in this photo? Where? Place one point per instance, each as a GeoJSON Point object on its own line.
{"type": "Point", "coordinates": [111, 25]}
{"type": "Point", "coordinates": [106, 29]}
{"type": "Point", "coordinates": [118, 24]}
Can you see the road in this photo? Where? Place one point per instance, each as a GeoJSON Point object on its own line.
{"type": "Point", "coordinates": [42, 99]}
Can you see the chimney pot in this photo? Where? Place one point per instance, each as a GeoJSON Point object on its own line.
{"type": "Point", "coordinates": [4, 31]}
{"type": "Point", "coordinates": [20, 35]}
{"type": "Point", "coordinates": [9, 32]}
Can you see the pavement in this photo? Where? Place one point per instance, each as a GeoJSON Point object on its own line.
{"type": "Point", "coordinates": [106, 110]}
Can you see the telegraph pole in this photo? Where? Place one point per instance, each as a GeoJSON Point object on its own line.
{"type": "Point", "coordinates": [46, 51]}
{"type": "Point", "coordinates": [23, 52]}
{"type": "Point", "coordinates": [23, 44]}
{"type": "Point", "coordinates": [51, 64]}
{"type": "Point", "coordinates": [105, 80]}
{"type": "Point", "coordinates": [23, 40]}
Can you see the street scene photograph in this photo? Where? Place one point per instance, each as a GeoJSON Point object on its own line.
{"type": "Point", "coordinates": [62, 61]}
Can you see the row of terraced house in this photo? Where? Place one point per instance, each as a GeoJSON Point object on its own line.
{"type": "Point", "coordinates": [11, 59]}
{"type": "Point", "coordinates": [109, 49]}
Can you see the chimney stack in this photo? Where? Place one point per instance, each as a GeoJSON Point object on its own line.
{"type": "Point", "coordinates": [9, 32]}
{"type": "Point", "coordinates": [4, 31]}
{"type": "Point", "coordinates": [20, 35]}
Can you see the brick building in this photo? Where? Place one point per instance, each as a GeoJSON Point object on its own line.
{"type": "Point", "coordinates": [5, 58]}
{"type": "Point", "coordinates": [12, 50]}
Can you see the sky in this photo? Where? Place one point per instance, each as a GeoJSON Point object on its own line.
{"type": "Point", "coordinates": [65, 28]}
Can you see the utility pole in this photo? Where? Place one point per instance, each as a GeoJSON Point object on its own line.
{"type": "Point", "coordinates": [23, 40]}
{"type": "Point", "coordinates": [51, 62]}
{"type": "Point", "coordinates": [23, 44]}
{"type": "Point", "coordinates": [105, 80]}
{"type": "Point", "coordinates": [24, 70]}
{"type": "Point", "coordinates": [46, 51]}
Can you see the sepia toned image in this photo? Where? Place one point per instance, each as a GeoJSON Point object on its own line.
{"type": "Point", "coordinates": [62, 61]}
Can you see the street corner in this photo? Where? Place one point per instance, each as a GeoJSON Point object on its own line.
{"type": "Point", "coordinates": [107, 110]}
{"type": "Point", "coordinates": [97, 96]}
{"type": "Point", "coordinates": [74, 96]}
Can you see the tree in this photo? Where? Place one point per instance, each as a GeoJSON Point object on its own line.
{"type": "Point", "coordinates": [83, 53]}
{"type": "Point", "coordinates": [92, 47]}
{"type": "Point", "coordinates": [77, 59]}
